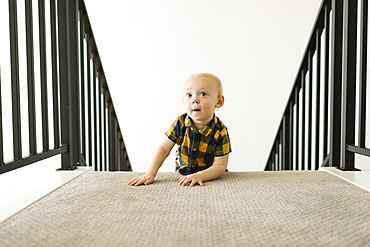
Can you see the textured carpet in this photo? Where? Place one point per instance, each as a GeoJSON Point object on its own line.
{"type": "Point", "coordinates": [310, 208]}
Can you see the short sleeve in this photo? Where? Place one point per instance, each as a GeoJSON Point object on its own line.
{"type": "Point", "coordinates": [173, 132]}
{"type": "Point", "coordinates": [223, 143]}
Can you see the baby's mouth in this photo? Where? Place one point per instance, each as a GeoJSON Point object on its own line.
{"type": "Point", "coordinates": [196, 110]}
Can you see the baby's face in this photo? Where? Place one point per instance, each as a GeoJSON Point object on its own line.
{"type": "Point", "coordinates": [201, 98]}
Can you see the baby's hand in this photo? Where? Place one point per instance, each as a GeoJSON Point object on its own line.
{"type": "Point", "coordinates": [145, 179]}
{"type": "Point", "coordinates": [193, 179]}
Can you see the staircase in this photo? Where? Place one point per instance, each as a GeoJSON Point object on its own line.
{"type": "Point", "coordinates": [324, 122]}
{"type": "Point", "coordinates": [76, 118]}
{"type": "Point", "coordinates": [325, 111]}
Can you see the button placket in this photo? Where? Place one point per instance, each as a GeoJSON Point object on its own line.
{"type": "Point", "coordinates": [195, 148]}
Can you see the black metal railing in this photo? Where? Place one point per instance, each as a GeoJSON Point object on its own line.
{"type": "Point", "coordinates": [85, 128]}
{"type": "Point", "coordinates": [327, 106]}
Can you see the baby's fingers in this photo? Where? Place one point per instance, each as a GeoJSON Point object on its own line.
{"type": "Point", "coordinates": [189, 180]}
{"type": "Point", "coordinates": [132, 181]}
{"type": "Point", "coordinates": [136, 181]}
{"type": "Point", "coordinates": [200, 183]}
{"type": "Point", "coordinates": [184, 181]}
{"type": "Point", "coordinates": [194, 182]}
{"type": "Point", "coordinates": [148, 181]}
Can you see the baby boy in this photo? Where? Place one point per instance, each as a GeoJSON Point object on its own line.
{"type": "Point", "coordinates": [203, 140]}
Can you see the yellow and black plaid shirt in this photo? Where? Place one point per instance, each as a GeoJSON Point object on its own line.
{"type": "Point", "coordinates": [197, 148]}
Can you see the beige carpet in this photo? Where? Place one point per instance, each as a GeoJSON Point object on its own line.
{"type": "Point", "coordinates": [308, 208]}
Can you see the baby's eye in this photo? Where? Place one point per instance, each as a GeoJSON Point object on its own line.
{"type": "Point", "coordinates": [203, 94]}
{"type": "Point", "coordinates": [188, 95]}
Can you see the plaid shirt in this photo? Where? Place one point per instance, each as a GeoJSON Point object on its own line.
{"type": "Point", "coordinates": [197, 148]}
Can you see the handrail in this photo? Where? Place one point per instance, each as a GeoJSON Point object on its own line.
{"type": "Point", "coordinates": [85, 129]}
{"type": "Point", "coordinates": [319, 121]}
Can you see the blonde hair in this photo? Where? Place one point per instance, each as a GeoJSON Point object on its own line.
{"type": "Point", "coordinates": [212, 77]}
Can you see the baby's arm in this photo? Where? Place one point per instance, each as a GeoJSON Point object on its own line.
{"type": "Point", "coordinates": [161, 154]}
{"type": "Point", "coordinates": [215, 171]}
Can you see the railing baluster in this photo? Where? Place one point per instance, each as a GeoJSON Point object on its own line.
{"type": "Point", "coordinates": [309, 112]}
{"type": "Point", "coordinates": [89, 117]}
{"type": "Point", "coordinates": [349, 83]}
{"type": "Point", "coordinates": [1, 127]}
{"type": "Point", "coordinates": [269, 163]}
{"type": "Point", "coordinates": [124, 162]}
{"type": "Point", "coordinates": [272, 153]}
{"type": "Point", "coordinates": [277, 164]}
{"type": "Point", "coordinates": [105, 107]}
{"type": "Point", "coordinates": [126, 165]}
{"type": "Point", "coordinates": [43, 77]}
{"type": "Point", "coordinates": [82, 83]}
{"type": "Point", "coordinates": [281, 151]}
{"type": "Point", "coordinates": [74, 88]}
{"type": "Point", "coordinates": [14, 59]}
{"type": "Point", "coordinates": [336, 83]}
{"type": "Point", "coordinates": [30, 78]}
{"type": "Point", "coordinates": [363, 73]}
{"type": "Point", "coordinates": [116, 147]}
{"type": "Point", "coordinates": [100, 121]}
{"type": "Point", "coordinates": [68, 67]}
{"type": "Point", "coordinates": [54, 72]}
{"type": "Point", "coordinates": [285, 141]}
{"type": "Point", "coordinates": [318, 98]}
{"type": "Point", "coordinates": [63, 78]}
{"type": "Point", "coordinates": [94, 106]}
{"type": "Point", "coordinates": [119, 152]}
{"type": "Point", "coordinates": [326, 83]}
{"type": "Point", "coordinates": [303, 141]}
{"type": "Point", "coordinates": [291, 133]}
{"type": "Point", "coordinates": [112, 139]}
{"type": "Point", "coordinates": [287, 137]}
{"type": "Point", "coordinates": [296, 89]}
{"type": "Point", "coordinates": [272, 162]}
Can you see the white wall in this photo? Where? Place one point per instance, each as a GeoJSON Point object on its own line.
{"type": "Point", "coordinates": [149, 47]}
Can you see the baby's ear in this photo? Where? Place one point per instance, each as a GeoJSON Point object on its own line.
{"type": "Point", "coordinates": [220, 102]}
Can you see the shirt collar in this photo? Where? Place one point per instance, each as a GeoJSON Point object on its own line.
{"type": "Point", "coordinates": [206, 130]}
